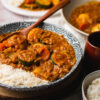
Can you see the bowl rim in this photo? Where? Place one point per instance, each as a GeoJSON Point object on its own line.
{"type": "Point", "coordinates": [69, 24]}
{"type": "Point", "coordinates": [41, 87]}
{"type": "Point", "coordinates": [84, 81]}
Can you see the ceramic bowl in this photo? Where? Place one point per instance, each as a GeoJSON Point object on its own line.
{"type": "Point", "coordinates": [52, 86]}
{"type": "Point", "coordinates": [67, 10]}
{"type": "Point", "coordinates": [87, 81]}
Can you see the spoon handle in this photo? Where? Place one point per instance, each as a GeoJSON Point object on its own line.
{"type": "Point", "coordinates": [25, 31]}
{"type": "Point", "coordinates": [44, 17]}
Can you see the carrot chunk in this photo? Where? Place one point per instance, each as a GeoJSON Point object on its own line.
{"type": "Point", "coordinates": [2, 46]}
{"type": "Point", "coordinates": [29, 1]}
{"type": "Point", "coordinates": [7, 44]}
{"type": "Point", "coordinates": [44, 53]}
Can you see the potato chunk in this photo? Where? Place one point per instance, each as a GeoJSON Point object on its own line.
{"type": "Point", "coordinates": [83, 21]}
{"type": "Point", "coordinates": [55, 2]}
{"type": "Point", "coordinates": [96, 28]}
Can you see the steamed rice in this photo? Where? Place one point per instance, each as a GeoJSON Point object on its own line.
{"type": "Point", "coordinates": [16, 3]}
{"type": "Point", "coordinates": [18, 77]}
{"type": "Point", "coordinates": [93, 92]}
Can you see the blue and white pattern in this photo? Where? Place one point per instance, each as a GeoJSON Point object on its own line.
{"type": "Point", "coordinates": [71, 39]}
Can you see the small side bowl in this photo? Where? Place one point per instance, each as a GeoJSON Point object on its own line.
{"type": "Point", "coordinates": [87, 81]}
{"type": "Point", "coordinates": [67, 10]}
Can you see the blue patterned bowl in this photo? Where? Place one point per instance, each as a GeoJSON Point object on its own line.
{"type": "Point", "coordinates": [20, 92]}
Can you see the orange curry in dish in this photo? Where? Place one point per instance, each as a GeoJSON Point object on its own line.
{"type": "Point", "coordinates": [87, 17]}
{"type": "Point", "coordinates": [38, 5]}
{"type": "Point", "coordinates": [48, 55]}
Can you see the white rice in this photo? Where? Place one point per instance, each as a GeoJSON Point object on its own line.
{"type": "Point", "coordinates": [16, 3]}
{"type": "Point", "coordinates": [18, 77]}
{"type": "Point", "coordinates": [93, 92]}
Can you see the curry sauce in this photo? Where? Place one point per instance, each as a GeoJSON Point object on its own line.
{"type": "Point", "coordinates": [86, 17]}
{"type": "Point", "coordinates": [48, 55]}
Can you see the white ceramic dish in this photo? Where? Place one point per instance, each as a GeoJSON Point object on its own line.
{"type": "Point", "coordinates": [87, 81]}
{"type": "Point", "coordinates": [23, 12]}
{"type": "Point", "coordinates": [67, 10]}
